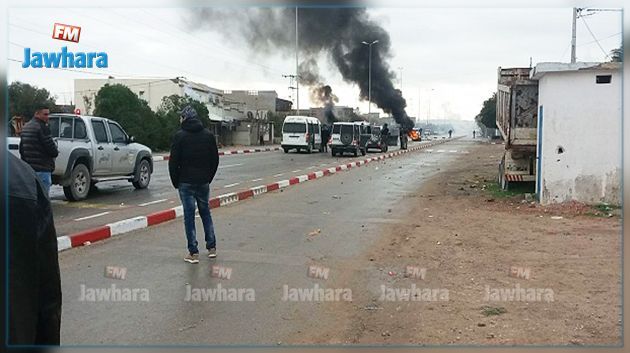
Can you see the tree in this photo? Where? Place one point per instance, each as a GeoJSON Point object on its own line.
{"type": "Point", "coordinates": [119, 103]}
{"type": "Point", "coordinates": [616, 55]}
{"type": "Point", "coordinates": [168, 117]}
{"type": "Point", "coordinates": [488, 114]}
{"type": "Point", "coordinates": [24, 99]}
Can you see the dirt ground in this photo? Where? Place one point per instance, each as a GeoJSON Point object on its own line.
{"type": "Point", "coordinates": [499, 270]}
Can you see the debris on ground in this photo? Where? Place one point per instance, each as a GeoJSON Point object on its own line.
{"type": "Point", "coordinates": [314, 233]}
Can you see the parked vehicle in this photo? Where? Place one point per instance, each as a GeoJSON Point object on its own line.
{"type": "Point", "coordinates": [394, 135]}
{"type": "Point", "coordinates": [93, 150]}
{"type": "Point", "coordinates": [414, 135]}
{"type": "Point", "coordinates": [302, 133]}
{"type": "Point", "coordinates": [517, 121]}
{"type": "Point", "coordinates": [346, 137]}
{"type": "Point", "coordinates": [375, 141]}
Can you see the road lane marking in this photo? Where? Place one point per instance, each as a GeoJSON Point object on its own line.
{"type": "Point", "coordinates": [297, 170]}
{"type": "Point", "coordinates": [92, 216]}
{"type": "Point", "coordinates": [152, 202]}
{"type": "Point", "coordinates": [279, 175]}
{"type": "Point", "coordinates": [230, 165]}
{"type": "Point", "coordinates": [311, 167]}
{"type": "Point", "coordinates": [231, 185]}
{"type": "Point", "coordinates": [255, 180]}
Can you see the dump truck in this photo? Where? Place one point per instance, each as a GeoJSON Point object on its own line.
{"type": "Point", "coordinates": [517, 121]}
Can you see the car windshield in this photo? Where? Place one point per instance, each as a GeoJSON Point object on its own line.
{"type": "Point", "coordinates": [294, 128]}
{"type": "Point", "coordinates": [336, 129]}
{"type": "Point", "coordinates": [346, 129]}
{"type": "Point", "coordinates": [376, 130]}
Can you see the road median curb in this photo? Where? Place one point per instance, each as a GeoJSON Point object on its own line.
{"type": "Point", "coordinates": [87, 237]}
{"type": "Point", "coordinates": [226, 153]}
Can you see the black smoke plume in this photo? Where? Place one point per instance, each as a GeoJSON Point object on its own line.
{"type": "Point", "coordinates": [334, 32]}
{"type": "Point", "coordinates": [320, 93]}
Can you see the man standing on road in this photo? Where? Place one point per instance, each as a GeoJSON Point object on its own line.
{"type": "Point", "coordinates": [325, 137]}
{"type": "Point", "coordinates": [450, 133]}
{"type": "Point", "coordinates": [37, 147]}
{"type": "Point", "coordinates": [192, 165]}
{"type": "Point", "coordinates": [474, 133]}
{"type": "Point", "coordinates": [385, 134]}
{"type": "Point", "coordinates": [34, 278]}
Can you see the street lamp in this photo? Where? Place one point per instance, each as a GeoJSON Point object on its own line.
{"type": "Point", "coordinates": [370, 75]}
{"type": "Point", "coordinates": [429, 106]}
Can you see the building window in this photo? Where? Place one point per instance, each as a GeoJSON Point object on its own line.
{"type": "Point", "coordinates": [227, 91]}
{"type": "Point", "coordinates": [601, 79]}
{"type": "Point", "coordinates": [252, 93]}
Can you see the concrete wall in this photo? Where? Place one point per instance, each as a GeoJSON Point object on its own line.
{"type": "Point", "coordinates": [151, 90]}
{"type": "Point", "coordinates": [581, 137]}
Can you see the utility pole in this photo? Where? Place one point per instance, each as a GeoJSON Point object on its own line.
{"type": "Point", "coordinates": [291, 87]}
{"type": "Point", "coordinates": [297, 74]}
{"type": "Point", "coordinates": [573, 34]}
{"type": "Point", "coordinates": [429, 106]}
{"type": "Point", "coordinates": [370, 75]}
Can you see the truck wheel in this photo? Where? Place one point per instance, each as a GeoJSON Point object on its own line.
{"type": "Point", "coordinates": [79, 187]}
{"type": "Point", "coordinates": [333, 152]}
{"type": "Point", "coordinates": [363, 151]}
{"type": "Point", "coordinates": [143, 175]}
{"type": "Point", "coordinates": [286, 150]}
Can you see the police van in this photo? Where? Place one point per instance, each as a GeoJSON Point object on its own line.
{"type": "Point", "coordinates": [302, 133]}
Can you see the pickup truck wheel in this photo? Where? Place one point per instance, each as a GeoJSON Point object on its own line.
{"type": "Point", "coordinates": [286, 150]}
{"type": "Point", "coordinates": [80, 181]}
{"type": "Point", "coordinates": [144, 175]}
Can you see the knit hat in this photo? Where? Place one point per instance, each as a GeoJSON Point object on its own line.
{"type": "Point", "coordinates": [188, 113]}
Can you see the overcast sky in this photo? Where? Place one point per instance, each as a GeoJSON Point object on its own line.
{"type": "Point", "coordinates": [448, 57]}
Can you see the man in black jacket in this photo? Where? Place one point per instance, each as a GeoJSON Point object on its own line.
{"type": "Point", "coordinates": [37, 147]}
{"type": "Point", "coordinates": [192, 165]}
{"type": "Point", "coordinates": [34, 279]}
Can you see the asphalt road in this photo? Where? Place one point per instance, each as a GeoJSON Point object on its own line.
{"type": "Point", "coordinates": [114, 201]}
{"type": "Point", "coordinates": [267, 243]}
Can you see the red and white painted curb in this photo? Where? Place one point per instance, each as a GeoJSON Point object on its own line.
{"type": "Point", "coordinates": [127, 225]}
{"type": "Point", "coordinates": [225, 153]}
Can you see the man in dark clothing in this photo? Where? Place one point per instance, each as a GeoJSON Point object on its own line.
{"type": "Point", "coordinates": [37, 147]}
{"type": "Point", "coordinates": [193, 163]}
{"type": "Point", "coordinates": [450, 133]}
{"type": "Point", "coordinates": [34, 279]}
{"type": "Point", "coordinates": [385, 134]}
{"type": "Point", "coordinates": [325, 137]}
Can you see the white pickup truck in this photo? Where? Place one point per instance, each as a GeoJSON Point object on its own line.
{"type": "Point", "coordinates": [93, 150]}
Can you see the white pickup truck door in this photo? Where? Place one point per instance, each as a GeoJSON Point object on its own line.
{"type": "Point", "coordinates": [103, 148]}
{"type": "Point", "coordinates": [123, 155]}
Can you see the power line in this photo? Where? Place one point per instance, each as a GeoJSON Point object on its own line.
{"type": "Point", "coordinates": [595, 41]}
{"type": "Point", "coordinates": [592, 35]}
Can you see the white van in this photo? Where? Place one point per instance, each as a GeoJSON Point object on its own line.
{"type": "Point", "coordinates": [302, 133]}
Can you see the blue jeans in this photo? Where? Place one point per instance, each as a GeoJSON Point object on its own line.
{"type": "Point", "coordinates": [46, 178]}
{"type": "Point", "coordinates": [199, 193]}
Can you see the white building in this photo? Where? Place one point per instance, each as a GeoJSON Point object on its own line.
{"type": "Point", "coordinates": [579, 132]}
{"type": "Point", "coordinates": [223, 117]}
